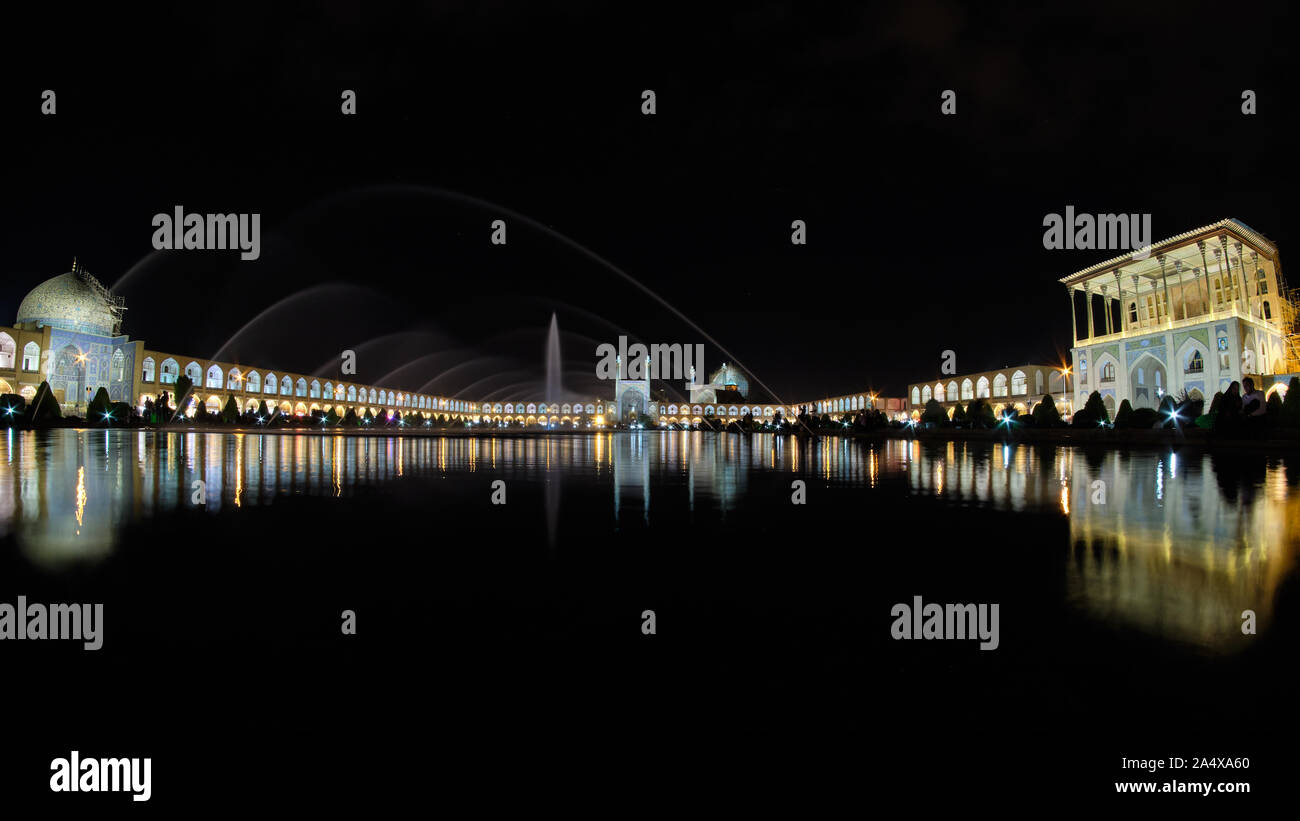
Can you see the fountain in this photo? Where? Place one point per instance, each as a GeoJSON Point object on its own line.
{"type": "Point", "coordinates": [554, 388]}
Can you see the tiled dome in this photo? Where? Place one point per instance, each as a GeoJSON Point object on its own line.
{"type": "Point", "coordinates": [68, 301]}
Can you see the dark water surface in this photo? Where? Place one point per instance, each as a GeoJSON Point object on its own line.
{"type": "Point", "coordinates": [503, 641]}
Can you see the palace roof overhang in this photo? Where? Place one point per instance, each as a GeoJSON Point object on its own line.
{"type": "Point", "coordinates": [1182, 247]}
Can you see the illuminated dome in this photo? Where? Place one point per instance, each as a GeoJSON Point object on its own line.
{"type": "Point", "coordinates": [727, 375]}
{"type": "Point", "coordinates": [73, 301]}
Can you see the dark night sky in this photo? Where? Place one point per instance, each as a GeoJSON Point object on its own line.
{"type": "Point", "coordinates": [925, 232]}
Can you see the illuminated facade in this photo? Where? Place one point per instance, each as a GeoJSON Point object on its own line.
{"type": "Point", "coordinates": [1019, 387]}
{"type": "Point", "coordinates": [68, 333]}
{"type": "Point", "coordinates": [1204, 309]}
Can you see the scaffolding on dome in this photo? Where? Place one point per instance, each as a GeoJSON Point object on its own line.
{"type": "Point", "coordinates": [116, 304]}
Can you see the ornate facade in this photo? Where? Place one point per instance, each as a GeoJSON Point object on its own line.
{"type": "Point", "coordinates": [1204, 309]}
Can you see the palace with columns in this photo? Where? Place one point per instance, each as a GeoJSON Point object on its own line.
{"type": "Point", "coordinates": [1199, 311]}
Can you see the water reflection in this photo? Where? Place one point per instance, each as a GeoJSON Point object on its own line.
{"type": "Point", "coordinates": [1177, 544]}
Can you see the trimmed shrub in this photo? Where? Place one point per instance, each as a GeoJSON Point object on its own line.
{"type": "Point", "coordinates": [44, 407]}
{"type": "Point", "coordinates": [1045, 414]}
{"type": "Point", "coordinates": [1092, 413]}
{"type": "Point", "coordinates": [1124, 416]}
{"type": "Point", "coordinates": [934, 413]}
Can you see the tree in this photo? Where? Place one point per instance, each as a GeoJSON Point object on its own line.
{"type": "Point", "coordinates": [1124, 416]}
{"type": "Point", "coordinates": [100, 409]}
{"type": "Point", "coordinates": [44, 407]}
{"type": "Point", "coordinates": [1093, 412]}
{"type": "Point", "coordinates": [1274, 407]}
{"type": "Point", "coordinates": [959, 416]}
{"type": "Point", "coordinates": [934, 414]}
{"type": "Point", "coordinates": [350, 418]}
{"type": "Point", "coordinates": [1167, 412]}
{"type": "Point", "coordinates": [331, 418]}
{"type": "Point", "coordinates": [1291, 404]}
{"type": "Point", "coordinates": [230, 413]}
{"type": "Point", "coordinates": [12, 409]}
{"type": "Point", "coordinates": [980, 414]}
{"type": "Point", "coordinates": [182, 392]}
{"type": "Point", "coordinates": [369, 418]}
{"type": "Point", "coordinates": [1045, 414]}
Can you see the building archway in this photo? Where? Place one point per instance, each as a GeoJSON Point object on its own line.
{"type": "Point", "coordinates": [1147, 374]}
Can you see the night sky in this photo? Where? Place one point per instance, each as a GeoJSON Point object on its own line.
{"type": "Point", "coordinates": [924, 231]}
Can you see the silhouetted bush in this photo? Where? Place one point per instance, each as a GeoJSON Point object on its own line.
{"type": "Point", "coordinates": [934, 414]}
{"type": "Point", "coordinates": [13, 410]}
{"type": "Point", "coordinates": [1290, 416]}
{"type": "Point", "coordinates": [980, 414]}
{"type": "Point", "coordinates": [1092, 413]}
{"type": "Point", "coordinates": [1045, 414]}
{"type": "Point", "coordinates": [44, 407]}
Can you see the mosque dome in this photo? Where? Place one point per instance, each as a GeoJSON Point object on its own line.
{"type": "Point", "coordinates": [72, 301]}
{"type": "Point", "coordinates": [728, 375]}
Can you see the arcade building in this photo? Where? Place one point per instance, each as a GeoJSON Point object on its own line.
{"type": "Point", "coordinates": [68, 332]}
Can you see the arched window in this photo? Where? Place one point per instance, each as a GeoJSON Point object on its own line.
{"type": "Point", "coordinates": [1142, 377]}
{"type": "Point", "coordinates": [1000, 385]}
{"type": "Point", "coordinates": [372, 396]}
{"type": "Point", "coordinates": [272, 383]}
{"type": "Point", "coordinates": [286, 386]}
{"type": "Point", "coordinates": [1195, 363]}
{"type": "Point", "coordinates": [951, 392]}
{"type": "Point", "coordinates": [8, 350]}
{"type": "Point", "coordinates": [301, 388]}
{"type": "Point", "coordinates": [147, 369]}
{"type": "Point", "coordinates": [117, 372]}
{"type": "Point", "coordinates": [315, 389]}
{"type": "Point", "coordinates": [195, 373]}
{"type": "Point", "coordinates": [925, 394]}
{"type": "Point", "coordinates": [214, 377]}
{"type": "Point", "coordinates": [1019, 384]}
{"type": "Point", "coordinates": [916, 395]}
{"type": "Point", "coordinates": [31, 356]}
{"type": "Point", "coordinates": [982, 388]}
{"type": "Point", "coordinates": [169, 372]}
{"type": "Point", "coordinates": [938, 391]}
{"type": "Point", "coordinates": [352, 393]}
{"type": "Point", "coordinates": [234, 380]}
{"type": "Point", "coordinates": [1268, 311]}
{"type": "Point", "coordinates": [967, 389]}
{"type": "Point", "coordinates": [1261, 280]}
{"type": "Point", "coordinates": [1108, 371]}
{"type": "Point", "coordinates": [253, 382]}
{"type": "Point", "coordinates": [1132, 312]}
